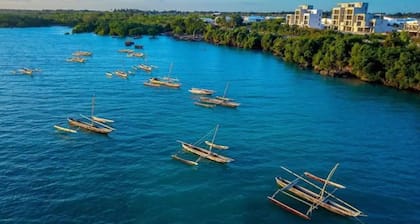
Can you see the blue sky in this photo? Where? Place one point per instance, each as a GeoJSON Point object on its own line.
{"type": "Point", "coordinates": [388, 6]}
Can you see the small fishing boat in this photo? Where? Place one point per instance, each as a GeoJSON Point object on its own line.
{"type": "Point", "coordinates": [135, 54]}
{"type": "Point", "coordinates": [146, 68]}
{"type": "Point", "coordinates": [82, 53]}
{"type": "Point", "coordinates": [26, 71]}
{"type": "Point", "coordinates": [126, 51]}
{"type": "Point", "coordinates": [89, 126]}
{"type": "Point", "coordinates": [109, 74]}
{"type": "Point", "coordinates": [76, 59]}
{"type": "Point", "coordinates": [202, 152]}
{"type": "Point", "coordinates": [162, 82]}
{"type": "Point", "coordinates": [166, 81]}
{"type": "Point", "coordinates": [221, 100]}
{"type": "Point", "coordinates": [59, 128]}
{"type": "Point", "coordinates": [200, 91]}
{"type": "Point", "coordinates": [121, 74]}
{"type": "Point", "coordinates": [312, 199]}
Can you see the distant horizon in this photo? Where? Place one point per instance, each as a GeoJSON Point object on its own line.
{"type": "Point", "coordinates": [257, 6]}
{"type": "Point", "coordinates": [186, 11]}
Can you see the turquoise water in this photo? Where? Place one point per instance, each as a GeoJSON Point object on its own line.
{"type": "Point", "coordinates": [288, 117]}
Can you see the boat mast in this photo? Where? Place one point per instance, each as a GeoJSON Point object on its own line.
{"type": "Point", "coordinates": [93, 106]}
{"type": "Point", "coordinates": [170, 71]}
{"type": "Point", "coordinates": [321, 194]}
{"type": "Point", "coordinates": [224, 93]}
{"type": "Point", "coordinates": [214, 137]}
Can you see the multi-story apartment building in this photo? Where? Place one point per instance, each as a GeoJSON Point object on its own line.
{"type": "Point", "coordinates": [351, 17]}
{"type": "Point", "coordinates": [305, 16]}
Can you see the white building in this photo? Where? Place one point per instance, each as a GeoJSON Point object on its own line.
{"type": "Point", "coordinates": [305, 16]}
{"type": "Point", "coordinates": [354, 17]}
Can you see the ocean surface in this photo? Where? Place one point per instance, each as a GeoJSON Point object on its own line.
{"type": "Point", "coordinates": [287, 117]}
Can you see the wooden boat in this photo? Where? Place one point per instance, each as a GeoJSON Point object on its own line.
{"type": "Point", "coordinates": [216, 146]}
{"type": "Point", "coordinates": [89, 126]}
{"type": "Point", "coordinates": [220, 100]}
{"type": "Point", "coordinates": [161, 82]}
{"type": "Point", "coordinates": [225, 101]}
{"type": "Point", "coordinates": [76, 59]}
{"type": "Point", "coordinates": [313, 197]}
{"type": "Point", "coordinates": [207, 105]}
{"type": "Point", "coordinates": [313, 200]}
{"type": "Point", "coordinates": [205, 153]}
{"type": "Point", "coordinates": [82, 53]}
{"type": "Point", "coordinates": [64, 129]}
{"type": "Point", "coordinates": [121, 74]}
{"type": "Point", "coordinates": [166, 81]}
{"type": "Point", "coordinates": [26, 71]}
{"type": "Point", "coordinates": [126, 51]}
{"type": "Point", "coordinates": [146, 68]}
{"type": "Point", "coordinates": [199, 91]}
{"type": "Point", "coordinates": [135, 54]}
{"type": "Point", "coordinates": [202, 152]}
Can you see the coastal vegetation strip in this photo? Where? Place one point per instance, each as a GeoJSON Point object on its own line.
{"type": "Point", "coordinates": [392, 59]}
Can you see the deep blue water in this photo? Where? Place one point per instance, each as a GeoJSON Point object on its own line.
{"type": "Point", "coordinates": [288, 117]}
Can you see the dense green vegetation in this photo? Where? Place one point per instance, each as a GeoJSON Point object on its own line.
{"type": "Point", "coordinates": [392, 59]}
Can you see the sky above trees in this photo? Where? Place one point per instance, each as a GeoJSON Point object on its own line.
{"type": "Point", "coordinates": [387, 6]}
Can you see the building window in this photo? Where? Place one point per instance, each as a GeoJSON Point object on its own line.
{"type": "Point", "coordinates": [359, 23]}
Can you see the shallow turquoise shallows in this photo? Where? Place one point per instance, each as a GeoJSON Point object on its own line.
{"type": "Point", "coordinates": [287, 117]}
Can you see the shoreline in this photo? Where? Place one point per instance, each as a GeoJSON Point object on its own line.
{"type": "Point", "coordinates": [344, 73]}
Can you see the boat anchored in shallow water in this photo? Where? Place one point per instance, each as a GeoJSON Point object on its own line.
{"type": "Point", "coordinates": [202, 152]}
{"type": "Point", "coordinates": [93, 124]}
{"type": "Point", "coordinates": [162, 82]}
{"type": "Point", "coordinates": [312, 199]}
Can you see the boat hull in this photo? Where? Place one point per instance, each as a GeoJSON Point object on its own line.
{"type": "Point", "coordinates": [88, 126]}
{"type": "Point", "coordinates": [164, 83]}
{"type": "Point", "coordinates": [219, 102]}
{"type": "Point", "coordinates": [205, 153]}
{"type": "Point", "coordinates": [313, 198]}
{"type": "Point", "coordinates": [200, 91]}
